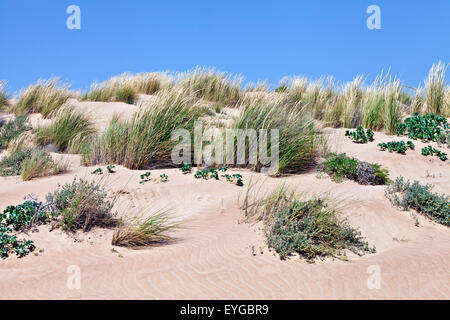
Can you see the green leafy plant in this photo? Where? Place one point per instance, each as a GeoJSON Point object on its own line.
{"type": "Point", "coordinates": [97, 171]}
{"type": "Point", "coordinates": [397, 146]}
{"type": "Point", "coordinates": [412, 195]}
{"type": "Point", "coordinates": [339, 166]}
{"type": "Point", "coordinates": [360, 135]}
{"type": "Point", "coordinates": [164, 177]}
{"type": "Point", "coordinates": [111, 168]}
{"type": "Point", "coordinates": [429, 127]}
{"type": "Point", "coordinates": [186, 168]}
{"type": "Point", "coordinates": [429, 151]}
{"type": "Point", "coordinates": [145, 177]}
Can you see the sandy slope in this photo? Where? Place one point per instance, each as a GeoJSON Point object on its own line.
{"type": "Point", "coordinates": [213, 255]}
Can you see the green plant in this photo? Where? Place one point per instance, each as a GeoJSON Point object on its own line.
{"type": "Point", "coordinates": [97, 171]}
{"type": "Point", "coordinates": [397, 146]}
{"type": "Point", "coordinates": [125, 94]}
{"type": "Point", "coordinates": [82, 205]}
{"type": "Point", "coordinates": [41, 164]}
{"type": "Point", "coordinates": [68, 125]}
{"type": "Point", "coordinates": [45, 97]}
{"type": "Point", "coordinates": [4, 96]}
{"type": "Point", "coordinates": [140, 231]}
{"type": "Point", "coordinates": [311, 228]}
{"type": "Point", "coordinates": [429, 127]}
{"type": "Point", "coordinates": [186, 168]}
{"type": "Point", "coordinates": [360, 135]}
{"type": "Point", "coordinates": [339, 166]}
{"type": "Point", "coordinates": [407, 195]}
{"type": "Point", "coordinates": [164, 177]}
{"type": "Point", "coordinates": [429, 151]}
{"type": "Point", "coordinates": [111, 168]}
{"type": "Point", "coordinates": [13, 164]}
{"type": "Point", "coordinates": [12, 129]}
{"type": "Point", "coordinates": [145, 177]}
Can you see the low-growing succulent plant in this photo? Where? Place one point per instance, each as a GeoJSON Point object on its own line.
{"type": "Point", "coordinates": [186, 168]}
{"type": "Point", "coordinates": [97, 171]}
{"type": "Point", "coordinates": [111, 168]}
{"type": "Point", "coordinates": [429, 151]}
{"type": "Point", "coordinates": [164, 177]}
{"type": "Point", "coordinates": [429, 127]}
{"type": "Point", "coordinates": [397, 146]}
{"type": "Point", "coordinates": [145, 177]}
{"type": "Point", "coordinates": [360, 135]}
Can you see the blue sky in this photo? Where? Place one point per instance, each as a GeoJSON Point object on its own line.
{"type": "Point", "coordinates": [262, 40]}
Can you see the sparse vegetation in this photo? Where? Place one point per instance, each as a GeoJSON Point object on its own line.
{"type": "Point", "coordinates": [339, 166]}
{"type": "Point", "coordinates": [310, 228]}
{"type": "Point", "coordinates": [12, 129]}
{"type": "Point", "coordinates": [4, 96]}
{"type": "Point", "coordinates": [144, 231]}
{"type": "Point", "coordinates": [44, 97]}
{"type": "Point", "coordinates": [67, 126]}
{"type": "Point", "coordinates": [31, 163]}
{"type": "Point", "coordinates": [360, 135]}
{"type": "Point", "coordinates": [82, 205]}
{"type": "Point", "coordinates": [429, 151]}
{"type": "Point", "coordinates": [397, 146]}
{"type": "Point", "coordinates": [412, 195]}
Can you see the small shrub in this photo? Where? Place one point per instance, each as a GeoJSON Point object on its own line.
{"type": "Point", "coordinates": [311, 228]}
{"type": "Point", "coordinates": [141, 231]}
{"type": "Point", "coordinates": [11, 130]}
{"type": "Point", "coordinates": [82, 205]}
{"type": "Point", "coordinates": [13, 164]}
{"type": "Point", "coordinates": [419, 197]}
{"type": "Point", "coordinates": [339, 166]}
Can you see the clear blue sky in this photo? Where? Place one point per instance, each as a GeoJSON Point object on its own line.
{"type": "Point", "coordinates": [260, 39]}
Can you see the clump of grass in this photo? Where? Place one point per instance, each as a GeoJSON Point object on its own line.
{"type": "Point", "coordinates": [12, 165]}
{"type": "Point", "coordinates": [31, 163]}
{"type": "Point", "coordinates": [210, 85]}
{"type": "Point", "coordinates": [412, 195]}
{"type": "Point", "coordinates": [82, 205]}
{"type": "Point", "coordinates": [310, 228]}
{"type": "Point", "coordinates": [67, 125]}
{"type": "Point", "coordinates": [125, 87]}
{"type": "Point", "coordinates": [144, 231]}
{"type": "Point", "coordinates": [41, 164]}
{"type": "Point", "coordinates": [146, 138]}
{"type": "Point", "coordinates": [339, 166]}
{"type": "Point", "coordinates": [12, 129]}
{"type": "Point", "coordinates": [300, 139]}
{"type": "Point", "coordinates": [435, 98]}
{"type": "Point", "coordinates": [26, 140]}
{"type": "Point", "coordinates": [44, 97]}
{"type": "Point", "coordinates": [4, 96]}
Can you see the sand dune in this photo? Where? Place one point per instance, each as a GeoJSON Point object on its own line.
{"type": "Point", "coordinates": [217, 257]}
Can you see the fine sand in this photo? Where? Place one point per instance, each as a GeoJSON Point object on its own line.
{"type": "Point", "coordinates": [215, 256]}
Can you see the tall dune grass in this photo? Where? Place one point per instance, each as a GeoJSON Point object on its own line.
{"type": "Point", "coordinates": [300, 139]}
{"type": "Point", "coordinates": [4, 96]}
{"type": "Point", "coordinates": [435, 98]}
{"type": "Point", "coordinates": [44, 97]}
{"type": "Point", "coordinates": [67, 125]}
{"type": "Point", "coordinates": [146, 138]}
{"type": "Point", "coordinates": [40, 164]}
{"type": "Point", "coordinates": [210, 85]}
{"type": "Point", "coordinates": [126, 87]}
{"type": "Point", "coordinates": [143, 231]}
